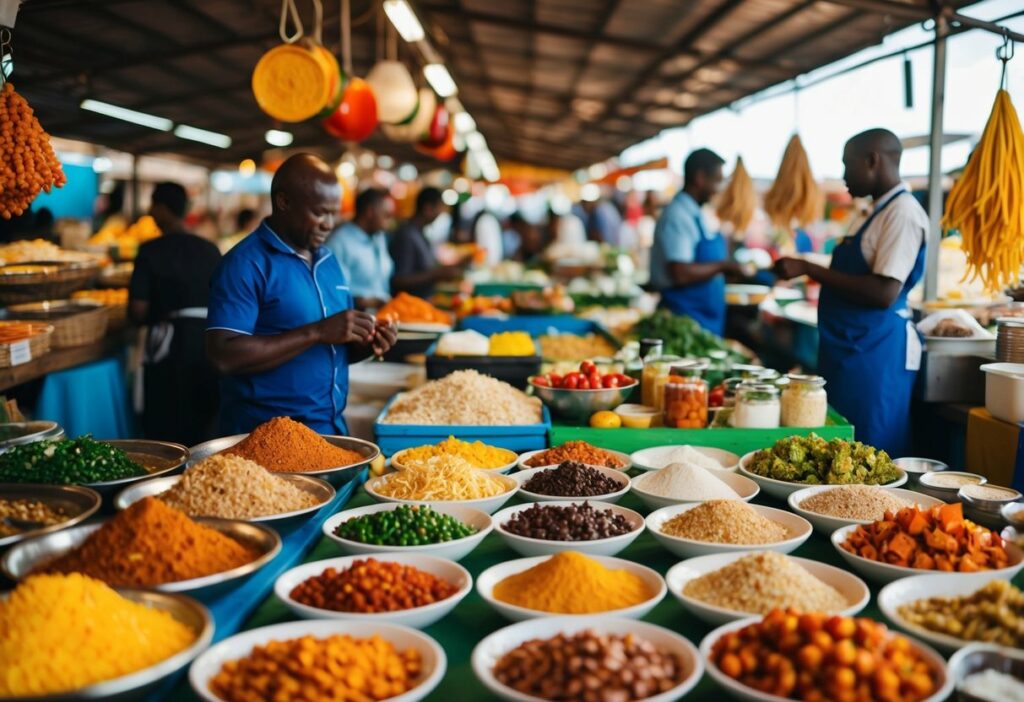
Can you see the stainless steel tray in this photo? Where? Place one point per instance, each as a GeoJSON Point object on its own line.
{"type": "Point", "coordinates": [78, 502]}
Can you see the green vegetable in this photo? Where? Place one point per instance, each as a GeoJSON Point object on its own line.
{"type": "Point", "coordinates": [406, 525]}
{"type": "Point", "coordinates": [683, 336]}
{"type": "Point", "coordinates": [67, 462]}
{"type": "Point", "coordinates": [814, 461]}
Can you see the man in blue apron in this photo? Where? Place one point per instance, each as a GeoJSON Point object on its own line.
{"type": "Point", "coordinates": [869, 352]}
{"type": "Point", "coordinates": [688, 262]}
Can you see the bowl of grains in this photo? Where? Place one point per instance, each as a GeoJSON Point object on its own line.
{"type": "Point", "coordinates": [571, 479]}
{"type": "Point", "coordinates": [724, 587]}
{"type": "Point", "coordinates": [831, 507]}
{"type": "Point", "coordinates": [577, 451]}
{"type": "Point", "coordinates": [412, 589]}
{"type": "Point", "coordinates": [27, 510]}
{"type": "Point", "coordinates": [477, 453]}
{"type": "Point", "coordinates": [679, 483]}
{"type": "Point", "coordinates": [722, 526]}
{"type": "Point", "coordinates": [559, 658]}
{"type": "Point", "coordinates": [546, 528]}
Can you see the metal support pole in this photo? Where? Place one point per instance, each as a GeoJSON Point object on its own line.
{"type": "Point", "coordinates": [931, 274]}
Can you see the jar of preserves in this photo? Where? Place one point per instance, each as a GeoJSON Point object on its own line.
{"type": "Point", "coordinates": [757, 406]}
{"type": "Point", "coordinates": [686, 397]}
{"type": "Point", "coordinates": [652, 381]}
{"type": "Point", "coordinates": [804, 401]}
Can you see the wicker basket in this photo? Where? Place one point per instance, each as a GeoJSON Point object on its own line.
{"type": "Point", "coordinates": [118, 275]}
{"type": "Point", "coordinates": [33, 287]}
{"type": "Point", "coordinates": [38, 344]}
{"type": "Point", "coordinates": [75, 323]}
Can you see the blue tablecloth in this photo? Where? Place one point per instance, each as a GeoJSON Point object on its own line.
{"type": "Point", "coordinates": [88, 399]}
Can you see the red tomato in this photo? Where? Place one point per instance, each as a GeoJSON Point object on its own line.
{"type": "Point", "coordinates": [610, 381]}
{"type": "Point", "coordinates": [556, 380]}
{"type": "Point", "coordinates": [587, 367]}
{"type": "Point", "coordinates": [594, 379]}
{"type": "Point", "coordinates": [356, 115]}
{"type": "Point", "coordinates": [571, 382]}
{"type": "Point", "coordinates": [542, 381]}
{"type": "Point", "coordinates": [584, 385]}
{"type": "Point", "coordinates": [624, 380]}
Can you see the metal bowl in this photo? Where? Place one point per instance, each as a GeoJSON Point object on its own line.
{"type": "Point", "coordinates": [21, 560]}
{"type": "Point", "coordinates": [916, 467]}
{"type": "Point", "coordinates": [157, 457]}
{"type": "Point", "coordinates": [335, 476]}
{"type": "Point", "coordinates": [138, 685]}
{"type": "Point", "coordinates": [320, 489]}
{"type": "Point", "coordinates": [78, 502]}
{"type": "Point", "coordinates": [976, 657]}
{"type": "Point", "coordinates": [18, 433]}
{"type": "Point", "coordinates": [578, 405]}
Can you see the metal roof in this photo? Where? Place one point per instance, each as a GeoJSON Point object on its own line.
{"type": "Point", "coordinates": [560, 83]}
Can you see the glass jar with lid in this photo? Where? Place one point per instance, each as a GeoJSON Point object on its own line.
{"type": "Point", "coordinates": [804, 401]}
{"type": "Point", "coordinates": [757, 406]}
{"type": "Point", "coordinates": [731, 385]}
{"type": "Point", "coordinates": [686, 396]}
{"type": "Point", "coordinates": [652, 381]}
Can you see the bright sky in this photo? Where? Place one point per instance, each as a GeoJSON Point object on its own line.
{"type": "Point", "coordinates": [827, 114]}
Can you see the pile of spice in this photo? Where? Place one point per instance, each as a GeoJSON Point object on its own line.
{"type": "Point", "coordinates": [443, 478]}
{"type": "Point", "coordinates": [578, 451]}
{"type": "Point", "coordinates": [33, 512]}
{"type": "Point", "coordinates": [465, 397]}
{"type": "Point", "coordinates": [406, 525]}
{"type": "Point", "coordinates": [151, 544]}
{"type": "Point", "coordinates": [664, 456]}
{"type": "Point", "coordinates": [761, 582]}
{"type": "Point", "coordinates": [477, 454]}
{"type": "Point", "coordinates": [588, 666]}
{"type": "Point", "coordinates": [372, 586]}
{"type": "Point", "coordinates": [338, 667]}
{"type": "Point", "coordinates": [686, 482]}
{"type": "Point", "coordinates": [65, 632]}
{"type": "Point", "coordinates": [571, 479]}
{"type": "Point", "coordinates": [232, 487]}
{"type": "Point", "coordinates": [67, 462]}
{"type": "Point", "coordinates": [993, 614]}
{"type": "Point", "coordinates": [577, 522]}
{"type": "Point", "coordinates": [935, 539]}
{"type": "Point", "coordinates": [570, 347]}
{"type": "Point", "coordinates": [572, 583]}
{"type": "Point", "coordinates": [822, 657]}
{"type": "Point", "coordinates": [860, 502]}
{"type": "Point", "coordinates": [725, 522]}
{"type": "Point", "coordinates": [283, 445]}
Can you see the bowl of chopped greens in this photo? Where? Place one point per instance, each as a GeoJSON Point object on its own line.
{"type": "Point", "coordinates": [799, 461]}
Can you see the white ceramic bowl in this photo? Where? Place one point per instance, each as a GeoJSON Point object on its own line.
{"type": "Point", "coordinates": [618, 476]}
{"type": "Point", "coordinates": [523, 458]}
{"type": "Point", "coordinates": [746, 488]}
{"type": "Point", "coordinates": [417, 617]}
{"type": "Point", "coordinates": [651, 458]}
{"type": "Point", "coordinates": [487, 653]}
{"type": "Point", "coordinates": [799, 529]}
{"type": "Point", "coordinates": [782, 489]}
{"type": "Point", "coordinates": [528, 546]}
{"type": "Point", "coordinates": [826, 524]}
{"type": "Point", "coordinates": [739, 691]}
{"type": "Point", "coordinates": [241, 645]}
{"type": "Point", "coordinates": [486, 581]}
{"type": "Point", "coordinates": [485, 504]}
{"type": "Point", "coordinates": [452, 550]}
{"type": "Point", "coordinates": [884, 573]}
{"type": "Point", "coordinates": [849, 586]}
{"type": "Point", "coordinates": [397, 461]}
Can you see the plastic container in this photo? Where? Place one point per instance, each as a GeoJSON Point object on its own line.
{"type": "Point", "coordinates": [514, 370]}
{"type": "Point", "coordinates": [804, 401]}
{"type": "Point", "coordinates": [653, 379]}
{"type": "Point", "coordinates": [392, 438]}
{"type": "Point", "coordinates": [686, 397]}
{"type": "Point", "coordinates": [638, 416]}
{"type": "Point", "coordinates": [757, 406]}
{"type": "Point", "coordinates": [1004, 391]}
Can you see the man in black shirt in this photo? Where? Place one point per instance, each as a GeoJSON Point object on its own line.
{"type": "Point", "coordinates": [416, 269]}
{"type": "Point", "coordinates": [169, 291]}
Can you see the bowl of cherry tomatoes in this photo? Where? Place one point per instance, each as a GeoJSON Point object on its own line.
{"type": "Point", "coordinates": [577, 395]}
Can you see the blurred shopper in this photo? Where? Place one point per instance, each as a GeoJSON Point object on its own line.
{"type": "Point", "coordinates": [245, 221]}
{"type": "Point", "coordinates": [416, 268]}
{"type": "Point", "coordinates": [601, 219]}
{"type": "Point", "coordinates": [169, 292]}
{"type": "Point", "coordinates": [487, 235]}
{"type": "Point", "coordinates": [361, 248]}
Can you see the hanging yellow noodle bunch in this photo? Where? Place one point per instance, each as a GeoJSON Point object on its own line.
{"type": "Point", "coordinates": [794, 196]}
{"type": "Point", "coordinates": [986, 204]}
{"type": "Point", "coordinates": [737, 202]}
{"type": "Point", "coordinates": [27, 161]}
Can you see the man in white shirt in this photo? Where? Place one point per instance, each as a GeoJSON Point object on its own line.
{"type": "Point", "coordinates": [869, 351]}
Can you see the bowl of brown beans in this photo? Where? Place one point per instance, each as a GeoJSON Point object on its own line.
{"type": "Point", "coordinates": [545, 528]}
{"type": "Point", "coordinates": [410, 589]}
{"type": "Point", "coordinates": [559, 658]}
{"type": "Point", "coordinates": [571, 480]}
{"type": "Point", "coordinates": [28, 510]}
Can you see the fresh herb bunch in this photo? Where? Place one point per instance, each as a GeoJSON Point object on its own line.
{"type": "Point", "coordinates": [683, 336]}
{"type": "Point", "coordinates": [67, 462]}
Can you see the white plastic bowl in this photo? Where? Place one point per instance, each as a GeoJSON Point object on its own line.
{"type": "Point", "coordinates": [739, 691]}
{"type": "Point", "coordinates": [487, 653]}
{"type": "Point", "coordinates": [618, 476]}
{"type": "Point", "coordinates": [849, 586]}
{"type": "Point", "coordinates": [528, 546]}
{"type": "Point", "coordinates": [826, 524]}
{"type": "Point", "coordinates": [782, 489]}
{"type": "Point", "coordinates": [513, 461]}
{"type": "Point", "coordinates": [524, 457]}
{"type": "Point", "coordinates": [240, 645]}
{"type": "Point", "coordinates": [799, 529]}
{"type": "Point", "coordinates": [648, 458]}
{"type": "Point", "coordinates": [746, 488]}
{"type": "Point", "coordinates": [486, 581]}
{"type": "Point", "coordinates": [452, 550]}
{"type": "Point", "coordinates": [485, 504]}
{"type": "Point", "coordinates": [884, 573]}
{"type": "Point", "coordinates": [417, 617]}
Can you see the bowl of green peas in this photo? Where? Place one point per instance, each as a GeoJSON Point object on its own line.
{"type": "Point", "coordinates": [449, 531]}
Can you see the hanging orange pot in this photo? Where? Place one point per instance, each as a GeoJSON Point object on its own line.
{"type": "Point", "coordinates": [436, 132]}
{"type": "Point", "coordinates": [355, 118]}
{"type": "Point", "coordinates": [445, 152]}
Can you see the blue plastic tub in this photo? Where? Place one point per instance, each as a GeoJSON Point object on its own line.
{"type": "Point", "coordinates": [534, 325]}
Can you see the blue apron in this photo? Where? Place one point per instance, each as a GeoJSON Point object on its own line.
{"type": "Point", "coordinates": [704, 302]}
{"type": "Point", "coordinates": [862, 352]}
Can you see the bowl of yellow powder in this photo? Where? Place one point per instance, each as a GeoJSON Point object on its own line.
{"type": "Point", "coordinates": [570, 583]}
{"type": "Point", "coordinates": [476, 453]}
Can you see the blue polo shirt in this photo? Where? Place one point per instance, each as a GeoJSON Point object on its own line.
{"type": "Point", "coordinates": [263, 287]}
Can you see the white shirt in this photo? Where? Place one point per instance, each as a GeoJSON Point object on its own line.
{"type": "Point", "coordinates": [487, 234]}
{"type": "Point", "coordinates": [893, 239]}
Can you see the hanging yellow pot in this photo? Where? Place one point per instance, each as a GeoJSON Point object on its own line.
{"type": "Point", "coordinates": [293, 83]}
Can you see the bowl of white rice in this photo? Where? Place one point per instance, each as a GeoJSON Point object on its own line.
{"type": "Point", "coordinates": [657, 457]}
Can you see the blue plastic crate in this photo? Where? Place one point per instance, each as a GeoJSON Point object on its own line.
{"type": "Point", "coordinates": [534, 325]}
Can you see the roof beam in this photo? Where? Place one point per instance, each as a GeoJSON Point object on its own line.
{"type": "Point", "coordinates": [887, 7]}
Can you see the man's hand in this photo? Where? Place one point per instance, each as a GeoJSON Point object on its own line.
{"type": "Point", "coordinates": [448, 273]}
{"type": "Point", "coordinates": [789, 268]}
{"type": "Point", "coordinates": [350, 326]}
{"type": "Point", "coordinates": [385, 336]}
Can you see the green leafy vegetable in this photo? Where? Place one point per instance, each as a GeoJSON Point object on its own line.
{"type": "Point", "coordinates": [67, 462]}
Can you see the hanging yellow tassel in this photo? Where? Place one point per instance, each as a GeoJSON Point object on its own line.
{"type": "Point", "coordinates": [737, 202]}
{"type": "Point", "coordinates": [794, 198]}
